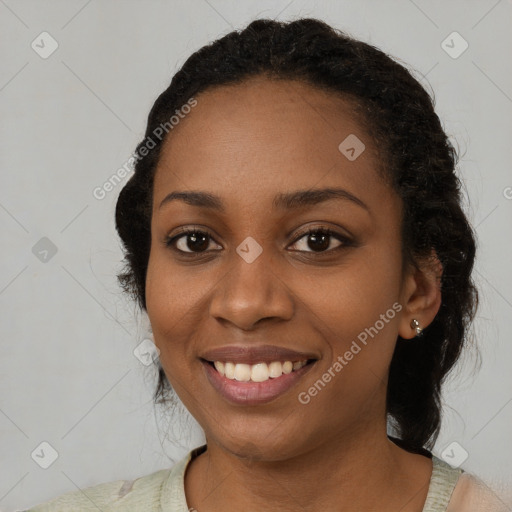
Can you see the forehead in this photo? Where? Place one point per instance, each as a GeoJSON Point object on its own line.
{"type": "Point", "coordinates": [264, 136]}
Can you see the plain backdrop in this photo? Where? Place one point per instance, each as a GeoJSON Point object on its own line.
{"type": "Point", "coordinates": [70, 119]}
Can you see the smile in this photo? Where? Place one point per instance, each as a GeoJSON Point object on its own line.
{"type": "Point", "coordinates": [259, 372]}
{"type": "Point", "coordinates": [255, 384]}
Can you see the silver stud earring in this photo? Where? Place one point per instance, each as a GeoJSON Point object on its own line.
{"type": "Point", "coordinates": [416, 326]}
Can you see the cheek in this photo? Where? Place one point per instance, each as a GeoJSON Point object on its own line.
{"type": "Point", "coordinates": [357, 311]}
{"type": "Point", "coordinates": [356, 294]}
{"type": "Point", "coordinates": [172, 306]}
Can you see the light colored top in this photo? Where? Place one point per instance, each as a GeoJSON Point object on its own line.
{"type": "Point", "coordinates": [164, 491]}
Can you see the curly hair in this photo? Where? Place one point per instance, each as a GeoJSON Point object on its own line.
{"type": "Point", "coordinates": [417, 159]}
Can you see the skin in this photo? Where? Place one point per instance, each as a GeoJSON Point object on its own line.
{"type": "Point", "coordinates": [246, 143]}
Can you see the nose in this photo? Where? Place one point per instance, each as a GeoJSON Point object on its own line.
{"type": "Point", "coordinates": [251, 292]}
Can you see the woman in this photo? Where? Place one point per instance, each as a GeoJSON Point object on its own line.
{"type": "Point", "coordinates": [294, 231]}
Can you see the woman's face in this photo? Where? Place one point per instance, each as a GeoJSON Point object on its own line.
{"type": "Point", "coordinates": [258, 280]}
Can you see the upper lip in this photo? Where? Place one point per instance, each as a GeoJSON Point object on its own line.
{"type": "Point", "coordinates": [253, 355]}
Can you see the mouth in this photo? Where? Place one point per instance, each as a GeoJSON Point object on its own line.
{"type": "Point", "coordinates": [255, 384]}
{"type": "Point", "coordinates": [259, 372]}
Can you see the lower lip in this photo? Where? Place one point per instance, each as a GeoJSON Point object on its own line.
{"type": "Point", "coordinates": [253, 393]}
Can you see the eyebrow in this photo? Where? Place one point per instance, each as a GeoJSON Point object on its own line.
{"type": "Point", "coordinates": [289, 200]}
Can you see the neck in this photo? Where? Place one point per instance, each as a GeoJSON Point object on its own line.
{"type": "Point", "coordinates": [357, 472]}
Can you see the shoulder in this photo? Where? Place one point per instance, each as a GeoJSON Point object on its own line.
{"type": "Point", "coordinates": [158, 491]}
{"type": "Point", "coordinates": [472, 495]}
{"type": "Point", "coordinates": [115, 495]}
{"type": "Point", "coordinates": [454, 490]}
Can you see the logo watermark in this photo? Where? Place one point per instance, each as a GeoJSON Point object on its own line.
{"type": "Point", "coordinates": [143, 150]}
{"type": "Point", "coordinates": [341, 361]}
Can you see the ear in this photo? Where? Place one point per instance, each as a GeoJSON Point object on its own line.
{"type": "Point", "coordinates": [421, 295]}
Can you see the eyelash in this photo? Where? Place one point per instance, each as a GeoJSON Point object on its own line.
{"type": "Point", "coordinates": [345, 242]}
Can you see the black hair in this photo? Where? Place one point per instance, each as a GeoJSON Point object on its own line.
{"type": "Point", "coordinates": [418, 160]}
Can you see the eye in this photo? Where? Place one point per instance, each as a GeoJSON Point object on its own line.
{"type": "Point", "coordinates": [320, 240]}
{"type": "Point", "coordinates": [196, 240]}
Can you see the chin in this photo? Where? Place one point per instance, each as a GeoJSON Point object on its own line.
{"type": "Point", "coordinates": [264, 448]}
{"type": "Point", "coordinates": [249, 451]}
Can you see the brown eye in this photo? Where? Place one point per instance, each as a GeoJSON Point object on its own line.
{"type": "Point", "coordinates": [319, 240]}
{"type": "Point", "coordinates": [196, 241]}
{"type": "Point", "coordinates": [190, 241]}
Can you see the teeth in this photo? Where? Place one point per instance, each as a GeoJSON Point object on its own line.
{"type": "Point", "coordinates": [229, 369]}
{"type": "Point", "coordinates": [220, 367]}
{"type": "Point", "coordinates": [287, 367]}
{"type": "Point", "coordinates": [242, 372]}
{"type": "Point", "coordinates": [275, 369]}
{"type": "Point", "coordinates": [259, 372]}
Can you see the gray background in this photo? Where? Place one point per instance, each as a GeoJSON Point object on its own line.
{"type": "Point", "coordinates": [68, 373]}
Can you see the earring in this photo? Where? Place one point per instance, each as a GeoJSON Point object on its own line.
{"type": "Point", "coordinates": [416, 326]}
